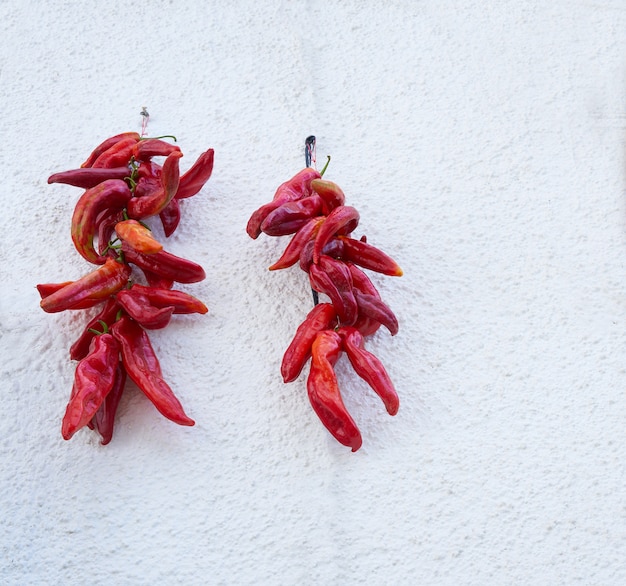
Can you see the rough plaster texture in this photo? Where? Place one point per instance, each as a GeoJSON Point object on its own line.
{"type": "Point", "coordinates": [483, 144]}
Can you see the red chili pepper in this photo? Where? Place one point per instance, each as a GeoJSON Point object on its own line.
{"type": "Point", "coordinates": [294, 249]}
{"type": "Point", "coordinates": [170, 217]}
{"type": "Point", "coordinates": [106, 223]}
{"type": "Point", "coordinates": [332, 249]}
{"type": "Point", "coordinates": [47, 289]}
{"type": "Point", "coordinates": [361, 282]}
{"type": "Point", "coordinates": [291, 216]}
{"type": "Point", "coordinates": [88, 177]}
{"type": "Point", "coordinates": [322, 317]}
{"type": "Point", "coordinates": [324, 393]}
{"type": "Point", "coordinates": [117, 155]}
{"type": "Point", "coordinates": [93, 380]}
{"type": "Point", "coordinates": [372, 306]}
{"type": "Point", "coordinates": [142, 311]}
{"type": "Point", "coordinates": [112, 195]}
{"type": "Point", "coordinates": [369, 257]}
{"type": "Point", "coordinates": [298, 187]}
{"type": "Point", "coordinates": [330, 192]}
{"type": "Point", "coordinates": [333, 278]}
{"type": "Point", "coordinates": [165, 265]}
{"type": "Point", "coordinates": [104, 419]}
{"type": "Point", "coordinates": [107, 144]}
{"type": "Point", "coordinates": [142, 365]}
{"type": "Point", "coordinates": [182, 302]}
{"type": "Point", "coordinates": [147, 148]}
{"type": "Point", "coordinates": [153, 203]}
{"type": "Point", "coordinates": [369, 368]}
{"type": "Point", "coordinates": [108, 313]}
{"type": "Point", "coordinates": [95, 286]}
{"type": "Point", "coordinates": [198, 174]}
{"type": "Point", "coordinates": [137, 236]}
{"type": "Point", "coordinates": [341, 220]}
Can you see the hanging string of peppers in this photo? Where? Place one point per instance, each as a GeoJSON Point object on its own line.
{"type": "Point", "coordinates": [313, 210]}
{"type": "Point", "coordinates": [124, 187]}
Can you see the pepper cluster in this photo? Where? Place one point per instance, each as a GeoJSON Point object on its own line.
{"type": "Point", "coordinates": [123, 187]}
{"type": "Point", "coordinates": [313, 211]}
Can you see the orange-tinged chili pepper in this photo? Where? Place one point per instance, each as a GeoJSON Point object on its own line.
{"type": "Point", "coordinates": [137, 236]}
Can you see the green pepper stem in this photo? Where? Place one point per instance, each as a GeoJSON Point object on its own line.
{"type": "Point", "coordinates": [325, 166]}
{"type": "Point", "coordinates": [157, 137]}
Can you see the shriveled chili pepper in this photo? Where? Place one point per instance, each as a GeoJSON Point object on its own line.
{"type": "Point", "coordinates": [95, 286]}
{"type": "Point", "coordinates": [112, 195]}
{"type": "Point", "coordinates": [373, 307]}
{"type": "Point", "coordinates": [153, 203]}
{"type": "Point", "coordinates": [291, 216]}
{"type": "Point", "coordinates": [341, 220]}
{"type": "Point", "coordinates": [104, 419]}
{"type": "Point", "coordinates": [143, 367]}
{"type": "Point", "coordinates": [117, 155]}
{"type": "Point", "coordinates": [165, 265]}
{"type": "Point", "coordinates": [182, 302]}
{"type": "Point", "coordinates": [196, 176]}
{"type": "Point", "coordinates": [298, 187]}
{"type": "Point", "coordinates": [142, 311]}
{"type": "Point", "coordinates": [170, 217]}
{"type": "Point", "coordinates": [333, 249]}
{"type": "Point", "coordinates": [88, 177]}
{"type": "Point", "coordinates": [334, 280]}
{"type": "Point", "coordinates": [107, 144]}
{"type": "Point", "coordinates": [107, 314]}
{"type": "Point", "coordinates": [147, 148]}
{"type": "Point", "coordinates": [369, 257]}
{"type": "Point", "coordinates": [369, 368]}
{"type": "Point", "coordinates": [322, 317]}
{"type": "Point", "coordinates": [93, 380]}
{"type": "Point", "coordinates": [324, 393]}
{"type": "Point", "coordinates": [361, 282]}
{"type": "Point", "coordinates": [292, 253]}
{"type": "Point", "coordinates": [330, 192]}
{"type": "Point", "coordinates": [137, 236]}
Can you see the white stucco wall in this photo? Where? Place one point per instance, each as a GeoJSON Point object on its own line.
{"type": "Point", "coordinates": [484, 146]}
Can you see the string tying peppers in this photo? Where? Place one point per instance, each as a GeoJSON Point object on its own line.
{"type": "Point", "coordinates": [124, 187]}
{"type": "Point", "coordinates": [313, 211]}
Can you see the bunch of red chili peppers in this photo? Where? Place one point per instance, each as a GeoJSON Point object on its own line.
{"type": "Point", "coordinates": [123, 187]}
{"type": "Point", "coordinates": [313, 210]}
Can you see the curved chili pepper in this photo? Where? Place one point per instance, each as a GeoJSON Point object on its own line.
{"type": "Point", "coordinates": [196, 176]}
{"type": "Point", "coordinates": [298, 187]}
{"type": "Point", "coordinates": [112, 195]}
{"type": "Point", "coordinates": [324, 393]}
{"type": "Point", "coordinates": [142, 311]}
{"type": "Point", "coordinates": [330, 192]}
{"type": "Point", "coordinates": [292, 253]}
{"type": "Point", "coordinates": [170, 217]}
{"type": "Point", "coordinates": [322, 317]}
{"type": "Point", "coordinates": [95, 286]}
{"type": "Point", "coordinates": [108, 313]}
{"type": "Point", "coordinates": [182, 302]}
{"type": "Point", "coordinates": [88, 177]}
{"type": "Point", "coordinates": [367, 256]}
{"type": "Point", "coordinates": [291, 216]}
{"type": "Point", "coordinates": [117, 155]}
{"type": "Point", "coordinates": [147, 148]}
{"type": "Point", "coordinates": [93, 380]}
{"type": "Point", "coordinates": [369, 368]}
{"type": "Point", "coordinates": [107, 144]}
{"type": "Point", "coordinates": [373, 307]}
{"type": "Point", "coordinates": [335, 280]}
{"type": "Point", "coordinates": [142, 366]}
{"type": "Point", "coordinates": [361, 282]}
{"type": "Point", "coordinates": [106, 223]}
{"type": "Point", "coordinates": [137, 236]}
{"type": "Point", "coordinates": [332, 249]}
{"type": "Point", "coordinates": [165, 265]}
{"type": "Point", "coordinates": [104, 419]}
{"type": "Point", "coordinates": [341, 220]}
{"type": "Point", "coordinates": [152, 204]}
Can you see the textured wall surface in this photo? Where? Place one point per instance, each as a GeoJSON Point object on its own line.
{"type": "Point", "coordinates": [484, 145]}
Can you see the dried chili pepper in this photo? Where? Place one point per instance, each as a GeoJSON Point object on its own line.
{"type": "Point", "coordinates": [165, 265]}
{"type": "Point", "coordinates": [104, 419]}
{"type": "Point", "coordinates": [198, 174]}
{"type": "Point", "coordinates": [291, 216]}
{"type": "Point", "coordinates": [107, 315]}
{"type": "Point", "coordinates": [117, 155]}
{"type": "Point", "coordinates": [330, 192]}
{"type": "Point", "coordinates": [88, 177]}
{"type": "Point", "coordinates": [322, 317]}
{"type": "Point", "coordinates": [93, 380]}
{"type": "Point", "coordinates": [294, 249]}
{"type": "Point", "coordinates": [107, 144]}
{"type": "Point", "coordinates": [147, 148]}
{"type": "Point", "coordinates": [95, 286]}
{"type": "Point", "coordinates": [341, 220]}
{"type": "Point", "coordinates": [369, 257]}
{"type": "Point", "coordinates": [112, 196]}
{"type": "Point", "coordinates": [324, 393]}
{"type": "Point", "coordinates": [335, 280]}
{"type": "Point", "coordinates": [373, 307]}
{"type": "Point", "coordinates": [137, 236]}
{"type": "Point", "coordinates": [369, 368]}
{"type": "Point", "coordinates": [170, 217]}
{"type": "Point", "coordinates": [142, 366]}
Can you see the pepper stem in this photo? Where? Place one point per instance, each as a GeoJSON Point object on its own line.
{"type": "Point", "coordinates": [325, 166]}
